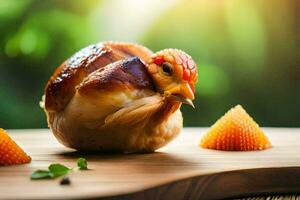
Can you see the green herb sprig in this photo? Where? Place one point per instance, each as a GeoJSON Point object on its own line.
{"type": "Point", "coordinates": [56, 170]}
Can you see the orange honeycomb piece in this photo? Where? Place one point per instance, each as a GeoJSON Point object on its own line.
{"type": "Point", "coordinates": [10, 152]}
{"type": "Point", "coordinates": [235, 131]}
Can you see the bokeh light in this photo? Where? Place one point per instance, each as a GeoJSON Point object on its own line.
{"type": "Point", "coordinates": [247, 52]}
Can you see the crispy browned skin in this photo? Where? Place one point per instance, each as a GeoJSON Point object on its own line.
{"type": "Point", "coordinates": [130, 72]}
{"type": "Point", "coordinates": [62, 85]}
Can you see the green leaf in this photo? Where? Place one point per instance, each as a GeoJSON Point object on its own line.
{"type": "Point", "coordinates": [82, 163]}
{"type": "Point", "coordinates": [41, 174]}
{"type": "Point", "coordinates": [58, 169]}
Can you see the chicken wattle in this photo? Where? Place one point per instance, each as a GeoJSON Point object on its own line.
{"type": "Point", "coordinates": [116, 96]}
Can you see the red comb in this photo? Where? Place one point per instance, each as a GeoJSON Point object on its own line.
{"type": "Point", "coordinates": [158, 60]}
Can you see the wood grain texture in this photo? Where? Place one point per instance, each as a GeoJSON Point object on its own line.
{"type": "Point", "coordinates": [180, 170]}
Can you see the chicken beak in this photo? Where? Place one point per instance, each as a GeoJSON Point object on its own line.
{"type": "Point", "coordinates": [182, 93]}
{"type": "Point", "coordinates": [186, 91]}
{"type": "Point", "coordinates": [183, 100]}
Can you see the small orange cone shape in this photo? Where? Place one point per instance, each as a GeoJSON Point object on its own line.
{"type": "Point", "coordinates": [235, 131]}
{"type": "Point", "coordinates": [10, 152]}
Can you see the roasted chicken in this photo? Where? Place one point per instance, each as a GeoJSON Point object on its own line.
{"type": "Point", "coordinates": [116, 96]}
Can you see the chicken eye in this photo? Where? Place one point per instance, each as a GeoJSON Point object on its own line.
{"type": "Point", "coordinates": [166, 67]}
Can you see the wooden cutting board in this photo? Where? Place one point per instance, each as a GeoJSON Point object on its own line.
{"type": "Point", "coordinates": [181, 170]}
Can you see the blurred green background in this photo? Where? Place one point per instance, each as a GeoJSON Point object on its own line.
{"type": "Point", "coordinates": [248, 52]}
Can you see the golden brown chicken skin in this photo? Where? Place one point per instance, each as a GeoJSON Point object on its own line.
{"type": "Point", "coordinates": [106, 98]}
{"type": "Point", "coordinates": [61, 86]}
